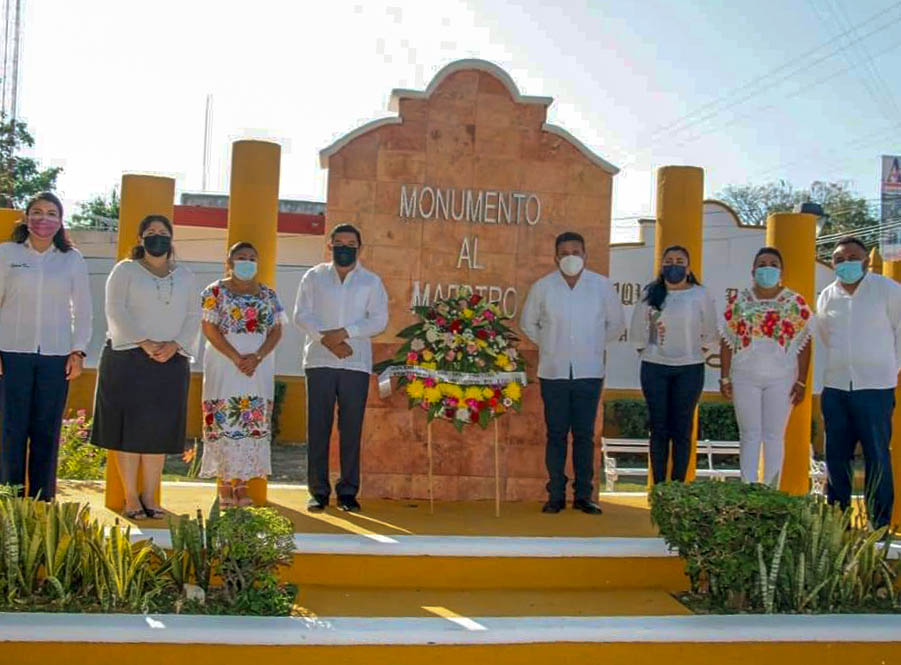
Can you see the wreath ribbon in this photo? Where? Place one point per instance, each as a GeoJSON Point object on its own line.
{"type": "Point", "coordinates": [459, 378]}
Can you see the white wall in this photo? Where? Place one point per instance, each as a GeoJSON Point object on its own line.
{"type": "Point", "coordinates": [728, 251]}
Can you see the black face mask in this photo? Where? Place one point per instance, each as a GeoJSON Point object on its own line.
{"type": "Point", "coordinates": [674, 274]}
{"type": "Point", "coordinates": [343, 255]}
{"type": "Point", "coordinates": [157, 245]}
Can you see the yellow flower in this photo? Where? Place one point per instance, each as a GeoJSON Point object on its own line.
{"type": "Point", "coordinates": [429, 365]}
{"type": "Point", "coordinates": [245, 404]}
{"type": "Point", "coordinates": [501, 360]}
{"type": "Point", "coordinates": [451, 390]}
{"type": "Point", "coordinates": [487, 393]}
{"type": "Point", "coordinates": [415, 389]}
{"type": "Point", "coordinates": [473, 392]}
{"type": "Point", "coordinates": [513, 390]}
{"type": "Point", "coordinates": [458, 341]}
{"type": "Point", "coordinates": [482, 343]}
{"type": "Point", "coordinates": [432, 395]}
{"type": "Point", "coordinates": [209, 302]}
{"type": "Point", "coordinates": [468, 313]}
{"type": "Point", "coordinates": [236, 313]}
{"type": "Point", "coordinates": [427, 355]}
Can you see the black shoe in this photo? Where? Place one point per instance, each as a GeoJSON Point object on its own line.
{"type": "Point", "coordinates": [349, 504]}
{"type": "Point", "coordinates": [317, 504]}
{"type": "Point", "coordinates": [553, 506]}
{"type": "Point", "coordinates": [587, 506]}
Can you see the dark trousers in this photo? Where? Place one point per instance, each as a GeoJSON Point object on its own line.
{"type": "Point", "coordinates": [349, 389]}
{"type": "Point", "coordinates": [865, 416]}
{"type": "Point", "coordinates": [34, 398]}
{"type": "Point", "coordinates": [672, 394]}
{"type": "Point", "coordinates": [570, 405]}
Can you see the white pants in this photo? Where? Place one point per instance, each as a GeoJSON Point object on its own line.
{"type": "Point", "coordinates": [762, 407]}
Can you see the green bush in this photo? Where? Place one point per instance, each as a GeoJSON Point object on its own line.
{"type": "Point", "coordinates": [753, 548]}
{"type": "Point", "coordinates": [78, 458]}
{"type": "Point", "coordinates": [629, 416]}
{"type": "Point", "coordinates": [53, 557]}
{"type": "Point", "coordinates": [716, 422]}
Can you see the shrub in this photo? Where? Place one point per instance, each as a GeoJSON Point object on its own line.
{"type": "Point", "coordinates": [78, 458]}
{"type": "Point", "coordinates": [250, 545]}
{"type": "Point", "coordinates": [629, 416]}
{"type": "Point", "coordinates": [716, 422]}
{"type": "Point", "coordinates": [753, 548]}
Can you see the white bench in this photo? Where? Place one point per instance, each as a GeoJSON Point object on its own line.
{"type": "Point", "coordinates": [612, 447]}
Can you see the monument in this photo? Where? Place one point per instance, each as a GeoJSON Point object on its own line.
{"type": "Point", "coordinates": [467, 185]}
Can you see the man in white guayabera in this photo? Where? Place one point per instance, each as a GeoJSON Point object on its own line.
{"type": "Point", "coordinates": [571, 314]}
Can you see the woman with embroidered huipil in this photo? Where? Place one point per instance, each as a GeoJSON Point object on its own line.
{"type": "Point", "coordinates": [141, 405]}
{"type": "Point", "coordinates": [242, 323]}
{"type": "Point", "coordinates": [673, 327]}
{"type": "Point", "coordinates": [765, 353]}
{"type": "Point", "coordinates": [45, 327]}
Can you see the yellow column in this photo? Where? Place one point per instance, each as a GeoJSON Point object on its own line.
{"type": "Point", "coordinates": [680, 221]}
{"type": "Point", "coordinates": [794, 235]}
{"type": "Point", "coordinates": [253, 217]}
{"type": "Point", "coordinates": [892, 269]}
{"type": "Point", "coordinates": [9, 217]}
{"type": "Point", "coordinates": [876, 261]}
{"type": "Point", "coordinates": [142, 195]}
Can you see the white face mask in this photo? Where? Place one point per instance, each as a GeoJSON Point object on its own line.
{"type": "Point", "coordinates": [571, 265]}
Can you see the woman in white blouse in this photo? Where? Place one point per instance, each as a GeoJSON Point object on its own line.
{"type": "Point", "coordinates": [153, 319]}
{"type": "Point", "coordinates": [672, 328]}
{"type": "Point", "coordinates": [45, 327]}
{"type": "Point", "coordinates": [765, 355]}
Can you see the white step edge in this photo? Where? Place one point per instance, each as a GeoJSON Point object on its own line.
{"type": "Point", "coordinates": [459, 546]}
{"type": "Point", "coordinates": [182, 629]}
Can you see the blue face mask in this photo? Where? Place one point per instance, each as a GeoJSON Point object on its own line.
{"type": "Point", "coordinates": [245, 270]}
{"type": "Point", "coordinates": [849, 272]}
{"type": "Point", "coordinates": [767, 276]}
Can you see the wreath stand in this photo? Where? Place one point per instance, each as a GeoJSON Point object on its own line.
{"type": "Point", "coordinates": [497, 473]}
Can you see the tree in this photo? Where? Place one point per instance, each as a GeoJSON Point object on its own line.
{"type": "Point", "coordinates": [99, 213]}
{"type": "Point", "coordinates": [846, 210]}
{"type": "Point", "coordinates": [20, 177]}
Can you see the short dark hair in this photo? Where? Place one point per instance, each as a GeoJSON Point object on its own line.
{"type": "Point", "coordinates": [238, 246]}
{"type": "Point", "coordinates": [347, 228]}
{"type": "Point", "coordinates": [60, 238]}
{"type": "Point", "coordinates": [568, 236]}
{"type": "Point", "coordinates": [137, 252]}
{"type": "Point", "coordinates": [769, 250]}
{"type": "Point", "coordinates": [851, 240]}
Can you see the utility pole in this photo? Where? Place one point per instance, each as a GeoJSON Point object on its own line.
{"type": "Point", "coordinates": [11, 49]}
{"type": "Point", "coordinates": [207, 139]}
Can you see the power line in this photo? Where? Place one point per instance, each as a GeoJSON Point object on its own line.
{"type": "Point", "coordinates": [763, 77]}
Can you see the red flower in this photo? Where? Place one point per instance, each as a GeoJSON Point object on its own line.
{"type": "Point", "coordinates": [800, 300]}
{"type": "Point", "coordinates": [456, 326]}
{"type": "Point", "coordinates": [805, 313]}
{"type": "Point", "coordinates": [216, 291]}
{"type": "Point", "coordinates": [481, 333]}
{"type": "Point", "coordinates": [474, 417]}
{"type": "Point", "coordinates": [746, 341]}
{"type": "Point", "coordinates": [475, 299]}
{"type": "Point", "coordinates": [493, 402]}
{"type": "Point", "coordinates": [788, 328]}
{"type": "Point", "coordinates": [449, 414]}
{"type": "Point", "coordinates": [741, 328]}
{"type": "Point", "coordinates": [255, 433]}
{"type": "Point", "coordinates": [781, 340]}
{"type": "Point", "coordinates": [251, 325]}
{"type": "Point", "coordinates": [209, 419]}
{"type": "Point", "coordinates": [728, 314]}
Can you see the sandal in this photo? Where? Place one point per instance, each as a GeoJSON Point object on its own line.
{"type": "Point", "coordinates": [134, 515]}
{"type": "Point", "coordinates": [153, 513]}
{"type": "Point", "coordinates": [241, 498]}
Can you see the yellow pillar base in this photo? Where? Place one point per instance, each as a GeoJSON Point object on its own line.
{"type": "Point", "coordinates": [142, 195]}
{"type": "Point", "coordinates": [253, 217]}
{"type": "Point", "coordinates": [892, 269]}
{"type": "Point", "coordinates": [794, 235]}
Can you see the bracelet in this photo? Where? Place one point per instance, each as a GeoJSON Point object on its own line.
{"type": "Point", "coordinates": [79, 353]}
{"type": "Point", "coordinates": [800, 383]}
{"type": "Point", "coordinates": [258, 357]}
{"type": "Point", "coordinates": [725, 381]}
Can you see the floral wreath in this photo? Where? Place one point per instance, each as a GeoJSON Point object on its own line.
{"type": "Point", "coordinates": [459, 362]}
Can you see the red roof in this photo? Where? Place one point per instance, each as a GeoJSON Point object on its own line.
{"type": "Point", "coordinates": [217, 218]}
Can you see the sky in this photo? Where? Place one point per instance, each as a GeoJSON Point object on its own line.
{"type": "Point", "coordinates": [800, 90]}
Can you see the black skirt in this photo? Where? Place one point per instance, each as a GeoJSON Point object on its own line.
{"type": "Point", "coordinates": [141, 405]}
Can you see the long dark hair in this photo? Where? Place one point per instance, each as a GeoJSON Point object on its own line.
{"type": "Point", "coordinates": [60, 239]}
{"type": "Point", "coordinates": [137, 252]}
{"type": "Point", "coordinates": [655, 292]}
